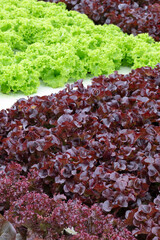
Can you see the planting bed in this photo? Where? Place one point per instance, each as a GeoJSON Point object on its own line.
{"type": "Point", "coordinates": [84, 162]}
{"type": "Point", "coordinates": [87, 158]}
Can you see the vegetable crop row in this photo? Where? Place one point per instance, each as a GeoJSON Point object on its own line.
{"type": "Point", "coordinates": [97, 146]}
{"type": "Point", "coordinates": [44, 41]}
{"type": "Point", "coordinates": [141, 16]}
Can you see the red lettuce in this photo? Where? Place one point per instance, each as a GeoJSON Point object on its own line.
{"type": "Point", "coordinates": [98, 145]}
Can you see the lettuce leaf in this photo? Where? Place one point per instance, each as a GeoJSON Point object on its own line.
{"type": "Point", "coordinates": [44, 41]}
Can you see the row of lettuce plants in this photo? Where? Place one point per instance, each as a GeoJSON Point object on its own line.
{"type": "Point", "coordinates": [44, 41]}
{"type": "Point", "coordinates": [140, 16]}
{"type": "Point", "coordinates": [87, 158]}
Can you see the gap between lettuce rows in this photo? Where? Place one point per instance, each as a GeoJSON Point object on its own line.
{"type": "Point", "coordinates": [6, 101]}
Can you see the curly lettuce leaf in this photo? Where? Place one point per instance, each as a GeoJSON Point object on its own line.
{"type": "Point", "coordinates": [44, 41]}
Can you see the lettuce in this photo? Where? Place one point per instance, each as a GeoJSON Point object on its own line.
{"type": "Point", "coordinates": [44, 41]}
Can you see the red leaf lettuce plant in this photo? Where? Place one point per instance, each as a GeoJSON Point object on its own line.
{"type": "Point", "coordinates": [87, 158]}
